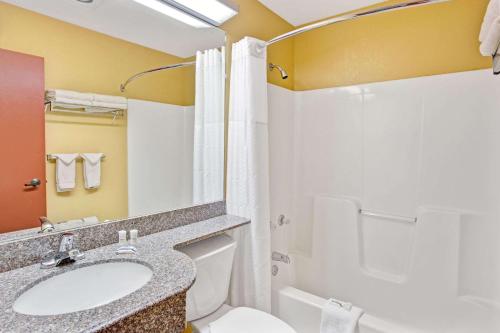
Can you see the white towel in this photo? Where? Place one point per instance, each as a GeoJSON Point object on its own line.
{"type": "Point", "coordinates": [337, 318]}
{"type": "Point", "coordinates": [112, 105]}
{"type": "Point", "coordinates": [489, 46]}
{"type": "Point", "coordinates": [60, 96]}
{"type": "Point", "coordinates": [65, 172]}
{"type": "Point", "coordinates": [70, 103]}
{"type": "Point", "coordinates": [92, 169]}
{"type": "Point", "coordinates": [492, 12]}
{"type": "Point", "coordinates": [109, 99]}
{"type": "Point", "coordinates": [68, 99]}
{"type": "Point", "coordinates": [90, 220]}
{"type": "Point", "coordinates": [70, 224]}
{"type": "Point", "coordinates": [55, 94]}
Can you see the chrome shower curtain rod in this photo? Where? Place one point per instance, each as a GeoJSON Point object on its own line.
{"type": "Point", "coordinates": [314, 26]}
{"type": "Point", "coordinates": [354, 16]}
{"type": "Point", "coordinates": [123, 86]}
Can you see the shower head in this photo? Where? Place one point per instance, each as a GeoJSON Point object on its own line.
{"type": "Point", "coordinates": [284, 74]}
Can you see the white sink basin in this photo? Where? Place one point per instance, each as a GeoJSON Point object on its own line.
{"type": "Point", "coordinates": [83, 288]}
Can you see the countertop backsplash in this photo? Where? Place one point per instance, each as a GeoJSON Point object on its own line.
{"type": "Point", "coordinates": [24, 252]}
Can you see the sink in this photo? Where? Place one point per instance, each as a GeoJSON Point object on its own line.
{"type": "Point", "coordinates": [83, 288]}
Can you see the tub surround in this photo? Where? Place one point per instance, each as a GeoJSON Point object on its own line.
{"type": "Point", "coordinates": [24, 252]}
{"type": "Point", "coordinates": [173, 275]}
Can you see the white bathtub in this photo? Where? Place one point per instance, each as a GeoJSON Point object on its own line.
{"type": "Point", "coordinates": [302, 311]}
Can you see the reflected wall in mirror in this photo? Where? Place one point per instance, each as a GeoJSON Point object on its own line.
{"type": "Point", "coordinates": [79, 150]}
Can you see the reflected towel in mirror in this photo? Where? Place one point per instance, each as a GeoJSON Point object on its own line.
{"type": "Point", "coordinates": [65, 172]}
{"type": "Point", "coordinates": [92, 169]}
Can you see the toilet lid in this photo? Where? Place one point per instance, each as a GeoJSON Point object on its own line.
{"type": "Point", "coordinates": [247, 320]}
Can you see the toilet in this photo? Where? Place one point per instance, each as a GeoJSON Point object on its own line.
{"type": "Point", "coordinates": [205, 308]}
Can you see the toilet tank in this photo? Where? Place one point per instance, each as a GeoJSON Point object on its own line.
{"type": "Point", "coordinates": [213, 258]}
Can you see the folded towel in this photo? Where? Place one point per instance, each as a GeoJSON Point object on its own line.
{"type": "Point", "coordinates": [492, 12]}
{"type": "Point", "coordinates": [490, 44]}
{"type": "Point", "coordinates": [111, 105]}
{"type": "Point", "coordinates": [92, 169]}
{"type": "Point", "coordinates": [69, 103]}
{"type": "Point", "coordinates": [496, 64]}
{"type": "Point", "coordinates": [339, 317]}
{"type": "Point", "coordinates": [70, 224]}
{"type": "Point", "coordinates": [109, 99]}
{"type": "Point", "coordinates": [74, 99]}
{"type": "Point", "coordinates": [90, 220]}
{"type": "Point", "coordinates": [56, 94]}
{"type": "Point", "coordinates": [65, 172]}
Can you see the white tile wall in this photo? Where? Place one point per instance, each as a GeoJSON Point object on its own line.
{"type": "Point", "coordinates": [393, 146]}
{"type": "Point", "coordinates": [426, 147]}
{"type": "Point", "coordinates": [160, 150]}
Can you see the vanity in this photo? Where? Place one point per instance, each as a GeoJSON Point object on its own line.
{"type": "Point", "coordinates": [158, 305]}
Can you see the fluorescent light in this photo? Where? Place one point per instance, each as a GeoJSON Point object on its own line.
{"type": "Point", "coordinates": [215, 10]}
{"type": "Point", "coordinates": [174, 13]}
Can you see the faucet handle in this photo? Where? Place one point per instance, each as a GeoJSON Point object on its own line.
{"type": "Point", "coordinates": [67, 242]}
{"type": "Point", "coordinates": [75, 254]}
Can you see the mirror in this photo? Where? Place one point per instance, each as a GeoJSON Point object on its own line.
{"type": "Point", "coordinates": [108, 110]}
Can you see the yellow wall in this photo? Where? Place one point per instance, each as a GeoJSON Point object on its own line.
{"type": "Point", "coordinates": [83, 60]}
{"type": "Point", "coordinates": [435, 39]}
{"type": "Point", "coordinates": [256, 20]}
{"type": "Point", "coordinates": [69, 134]}
{"type": "Point", "coordinates": [423, 41]}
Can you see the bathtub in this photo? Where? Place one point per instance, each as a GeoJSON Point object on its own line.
{"type": "Point", "coordinates": [302, 311]}
{"type": "Point", "coordinates": [334, 153]}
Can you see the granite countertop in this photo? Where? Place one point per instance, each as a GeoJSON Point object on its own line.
{"type": "Point", "coordinates": [173, 273]}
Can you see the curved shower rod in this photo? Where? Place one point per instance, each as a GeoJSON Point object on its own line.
{"type": "Point", "coordinates": [349, 17]}
{"type": "Point", "coordinates": [123, 86]}
{"type": "Point", "coordinates": [314, 26]}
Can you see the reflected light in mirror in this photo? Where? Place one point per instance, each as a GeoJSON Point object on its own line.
{"type": "Point", "coordinates": [218, 11]}
{"type": "Point", "coordinates": [174, 13]}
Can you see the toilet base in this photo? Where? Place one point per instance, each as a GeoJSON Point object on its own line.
{"type": "Point", "coordinates": [201, 325]}
{"type": "Point", "coordinates": [241, 319]}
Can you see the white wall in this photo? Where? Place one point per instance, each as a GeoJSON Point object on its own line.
{"type": "Point", "coordinates": [160, 156]}
{"type": "Point", "coordinates": [426, 147]}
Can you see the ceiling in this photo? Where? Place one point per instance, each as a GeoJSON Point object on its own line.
{"type": "Point", "coordinates": [130, 21]}
{"type": "Point", "coordinates": [298, 12]}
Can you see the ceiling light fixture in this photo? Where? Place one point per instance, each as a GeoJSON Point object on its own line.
{"type": "Point", "coordinates": [174, 12]}
{"type": "Point", "coordinates": [214, 12]}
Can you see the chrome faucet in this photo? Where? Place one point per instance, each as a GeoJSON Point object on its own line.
{"type": "Point", "coordinates": [68, 253]}
{"type": "Point", "coordinates": [46, 225]}
{"type": "Point", "coordinates": [276, 256]}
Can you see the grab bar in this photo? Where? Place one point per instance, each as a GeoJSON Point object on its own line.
{"type": "Point", "coordinates": [388, 216]}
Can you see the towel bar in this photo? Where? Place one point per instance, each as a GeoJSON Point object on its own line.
{"type": "Point", "coordinates": [52, 107]}
{"type": "Point", "coordinates": [347, 306]}
{"type": "Point", "coordinates": [51, 157]}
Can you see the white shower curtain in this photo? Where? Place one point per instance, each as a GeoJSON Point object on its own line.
{"type": "Point", "coordinates": [208, 157]}
{"type": "Point", "coordinates": [248, 175]}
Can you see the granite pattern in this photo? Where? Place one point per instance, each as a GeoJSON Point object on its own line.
{"type": "Point", "coordinates": [168, 316]}
{"type": "Point", "coordinates": [173, 275]}
{"type": "Point", "coordinates": [24, 252]}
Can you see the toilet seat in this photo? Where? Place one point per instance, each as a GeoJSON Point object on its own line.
{"type": "Point", "coordinates": [247, 320]}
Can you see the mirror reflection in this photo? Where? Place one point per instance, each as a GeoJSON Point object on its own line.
{"type": "Point", "coordinates": [96, 91]}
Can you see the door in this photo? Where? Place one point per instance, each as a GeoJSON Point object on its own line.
{"type": "Point", "coordinates": [22, 141]}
